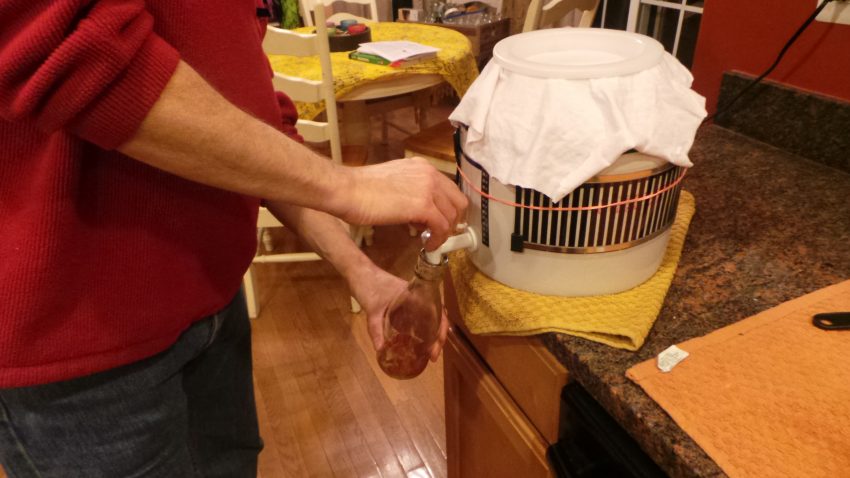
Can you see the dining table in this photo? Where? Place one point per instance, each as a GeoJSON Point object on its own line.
{"type": "Point", "coordinates": [358, 84]}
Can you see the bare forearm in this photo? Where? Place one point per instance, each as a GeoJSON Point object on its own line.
{"type": "Point", "coordinates": [326, 235]}
{"type": "Point", "coordinates": [373, 287]}
{"type": "Point", "coordinates": [195, 133]}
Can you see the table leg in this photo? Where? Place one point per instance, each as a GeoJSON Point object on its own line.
{"type": "Point", "coordinates": [355, 128]}
{"type": "Point", "coordinates": [422, 101]}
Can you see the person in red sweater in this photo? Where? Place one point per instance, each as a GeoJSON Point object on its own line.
{"type": "Point", "coordinates": [136, 138]}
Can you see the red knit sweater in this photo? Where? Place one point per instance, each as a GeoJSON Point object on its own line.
{"type": "Point", "coordinates": [103, 259]}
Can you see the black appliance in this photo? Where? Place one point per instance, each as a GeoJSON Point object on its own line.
{"type": "Point", "coordinates": [592, 444]}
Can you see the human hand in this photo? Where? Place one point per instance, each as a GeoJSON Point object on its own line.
{"type": "Point", "coordinates": [441, 336]}
{"type": "Point", "coordinates": [404, 191]}
{"type": "Point", "coordinates": [374, 290]}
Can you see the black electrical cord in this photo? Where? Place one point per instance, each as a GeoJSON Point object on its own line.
{"type": "Point", "coordinates": [728, 105]}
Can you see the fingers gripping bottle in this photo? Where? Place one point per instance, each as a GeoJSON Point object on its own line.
{"type": "Point", "coordinates": [412, 321]}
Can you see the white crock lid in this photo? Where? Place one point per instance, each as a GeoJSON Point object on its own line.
{"type": "Point", "coordinates": [577, 53]}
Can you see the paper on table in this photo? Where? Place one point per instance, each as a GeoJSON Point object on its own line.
{"type": "Point", "coordinates": [397, 50]}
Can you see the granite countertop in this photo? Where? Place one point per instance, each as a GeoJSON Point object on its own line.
{"type": "Point", "coordinates": [770, 226]}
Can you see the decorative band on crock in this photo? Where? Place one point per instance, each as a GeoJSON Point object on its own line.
{"type": "Point", "coordinates": [605, 214]}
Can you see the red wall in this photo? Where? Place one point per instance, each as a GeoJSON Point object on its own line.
{"type": "Point", "coordinates": [746, 35]}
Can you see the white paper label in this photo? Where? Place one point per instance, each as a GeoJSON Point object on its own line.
{"type": "Point", "coordinates": [670, 358]}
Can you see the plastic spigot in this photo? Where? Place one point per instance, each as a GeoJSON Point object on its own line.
{"type": "Point", "coordinates": [466, 239]}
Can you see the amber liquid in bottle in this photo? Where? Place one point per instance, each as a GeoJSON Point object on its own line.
{"type": "Point", "coordinates": [412, 322]}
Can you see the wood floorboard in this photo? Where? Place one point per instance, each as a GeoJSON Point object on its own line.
{"type": "Point", "coordinates": [314, 384]}
{"type": "Point", "coordinates": [273, 401]}
{"type": "Point", "coordinates": [419, 473]}
{"type": "Point", "coordinates": [368, 420]}
{"type": "Point", "coordinates": [432, 455]}
{"type": "Point", "coordinates": [433, 422]}
{"type": "Point", "coordinates": [327, 358]}
{"type": "Point", "coordinates": [272, 465]}
{"type": "Point", "coordinates": [285, 400]}
{"type": "Point", "coordinates": [276, 403]}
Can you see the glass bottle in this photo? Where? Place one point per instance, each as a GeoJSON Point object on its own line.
{"type": "Point", "coordinates": [412, 322]}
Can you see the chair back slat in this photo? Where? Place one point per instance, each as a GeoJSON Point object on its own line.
{"type": "Point", "coordinates": [279, 41]}
{"type": "Point", "coordinates": [298, 89]}
{"type": "Point", "coordinates": [313, 131]}
{"type": "Point", "coordinates": [266, 219]}
{"type": "Point", "coordinates": [284, 42]}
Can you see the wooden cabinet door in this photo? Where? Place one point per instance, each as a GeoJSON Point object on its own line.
{"type": "Point", "coordinates": [486, 433]}
{"type": "Point", "coordinates": [523, 367]}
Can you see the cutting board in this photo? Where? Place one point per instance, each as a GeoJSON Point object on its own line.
{"type": "Point", "coordinates": [768, 396]}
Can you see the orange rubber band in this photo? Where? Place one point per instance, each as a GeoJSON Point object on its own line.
{"type": "Point", "coordinates": [576, 208]}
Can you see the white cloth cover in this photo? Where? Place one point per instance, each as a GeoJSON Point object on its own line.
{"type": "Point", "coordinates": [553, 134]}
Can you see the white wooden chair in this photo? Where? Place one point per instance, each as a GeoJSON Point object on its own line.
{"type": "Point", "coordinates": [284, 42]}
{"type": "Point", "coordinates": [307, 6]}
{"type": "Point", "coordinates": [419, 101]}
{"type": "Point", "coordinates": [545, 15]}
{"type": "Point", "coordinates": [434, 144]}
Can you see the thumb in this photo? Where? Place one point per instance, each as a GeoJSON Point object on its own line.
{"type": "Point", "coordinates": [376, 331]}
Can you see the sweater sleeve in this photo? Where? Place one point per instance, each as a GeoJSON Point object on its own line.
{"type": "Point", "coordinates": [92, 67]}
{"type": "Point", "coordinates": [288, 116]}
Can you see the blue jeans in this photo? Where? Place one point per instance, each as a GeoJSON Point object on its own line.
{"type": "Point", "coordinates": [186, 412]}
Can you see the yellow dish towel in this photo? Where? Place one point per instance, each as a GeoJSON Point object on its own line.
{"type": "Point", "coordinates": [620, 320]}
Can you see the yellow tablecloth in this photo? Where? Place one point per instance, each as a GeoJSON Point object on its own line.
{"type": "Point", "coordinates": [454, 62]}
